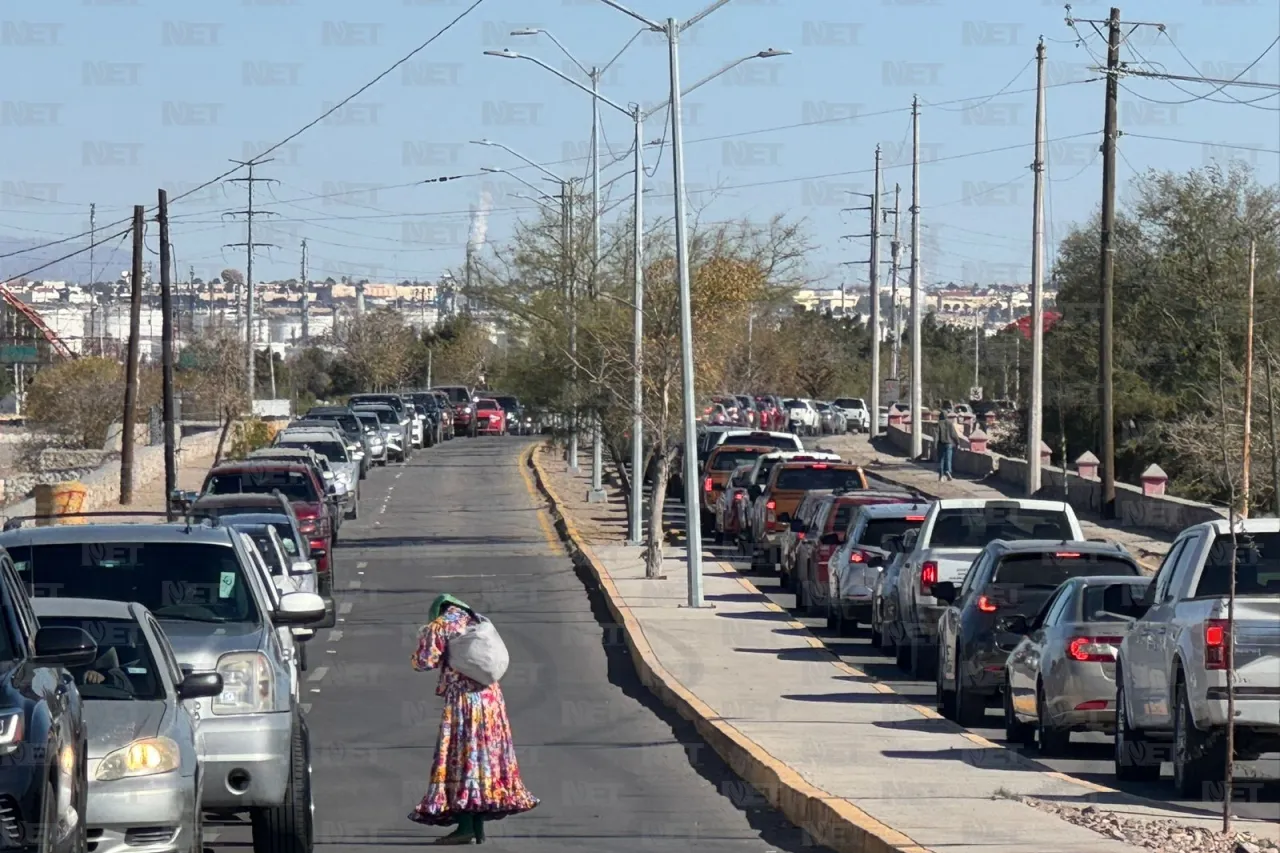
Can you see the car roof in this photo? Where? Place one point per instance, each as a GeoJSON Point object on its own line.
{"type": "Point", "coordinates": [258, 518]}
{"type": "Point", "coordinates": [895, 510]}
{"type": "Point", "coordinates": [1040, 546]}
{"type": "Point", "coordinates": [793, 464]}
{"type": "Point", "coordinates": [243, 499]}
{"type": "Point", "coordinates": [1107, 580]}
{"type": "Point", "coordinates": [84, 608]}
{"type": "Point", "coordinates": [75, 534]}
{"type": "Point", "coordinates": [738, 448]}
{"type": "Point", "coordinates": [981, 503]}
{"type": "Point", "coordinates": [261, 464]}
{"type": "Point", "coordinates": [298, 432]}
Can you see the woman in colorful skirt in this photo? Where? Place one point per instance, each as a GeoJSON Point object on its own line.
{"type": "Point", "coordinates": [475, 777]}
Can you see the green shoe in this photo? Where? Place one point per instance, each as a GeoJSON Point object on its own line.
{"type": "Point", "coordinates": [479, 828]}
{"type": "Point", "coordinates": [464, 834]}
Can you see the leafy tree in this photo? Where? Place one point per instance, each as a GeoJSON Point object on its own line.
{"type": "Point", "coordinates": [78, 401]}
{"type": "Point", "coordinates": [213, 375]}
{"type": "Point", "coordinates": [378, 348]}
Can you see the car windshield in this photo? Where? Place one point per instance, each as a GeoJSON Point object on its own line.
{"type": "Point", "coordinates": [509, 403]}
{"type": "Point", "coordinates": [385, 415]}
{"type": "Point", "coordinates": [368, 420]}
{"type": "Point", "coordinates": [330, 450]}
{"type": "Point", "coordinates": [979, 526]}
{"type": "Point", "coordinates": [1257, 566]}
{"type": "Point", "coordinates": [849, 403]}
{"type": "Point", "coordinates": [818, 477]}
{"type": "Point", "coordinates": [727, 460]}
{"type": "Point", "coordinates": [457, 395]}
{"type": "Point", "coordinates": [877, 530]}
{"type": "Point", "coordinates": [189, 581]}
{"type": "Point", "coordinates": [349, 423]}
{"type": "Point", "coordinates": [794, 404]}
{"type": "Point", "coordinates": [487, 406]}
{"type": "Point", "coordinates": [1052, 569]}
{"type": "Point", "coordinates": [125, 668]}
{"type": "Point", "coordinates": [294, 485]}
{"type": "Point", "coordinates": [382, 400]}
{"type": "Point", "coordinates": [1110, 602]}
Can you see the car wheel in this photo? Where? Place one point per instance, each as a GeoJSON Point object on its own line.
{"type": "Point", "coordinates": [1197, 757]}
{"type": "Point", "coordinates": [302, 656]}
{"type": "Point", "coordinates": [877, 639]}
{"type": "Point", "coordinates": [902, 651]}
{"type": "Point", "coordinates": [288, 827]}
{"type": "Point", "coordinates": [923, 659]}
{"type": "Point", "coordinates": [1053, 741]}
{"type": "Point", "coordinates": [971, 708]}
{"type": "Point", "coordinates": [355, 508]}
{"type": "Point", "coordinates": [47, 831]}
{"type": "Point", "coordinates": [946, 699]}
{"type": "Point", "coordinates": [1134, 758]}
{"type": "Point", "coordinates": [1015, 731]}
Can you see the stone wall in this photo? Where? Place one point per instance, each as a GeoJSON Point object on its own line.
{"type": "Point", "coordinates": [1134, 509]}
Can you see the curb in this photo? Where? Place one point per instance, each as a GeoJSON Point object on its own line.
{"type": "Point", "coordinates": [830, 820]}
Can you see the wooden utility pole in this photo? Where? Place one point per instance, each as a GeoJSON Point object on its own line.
{"type": "Point", "coordinates": [1248, 390]}
{"type": "Point", "coordinates": [306, 296]}
{"type": "Point", "coordinates": [1107, 272]}
{"type": "Point", "coordinates": [1275, 449]}
{"type": "Point", "coordinates": [131, 366]}
{"type": "Point", "coordinates": [166, 357]}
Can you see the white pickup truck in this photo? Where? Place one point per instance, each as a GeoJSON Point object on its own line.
{"type": "Point", "coordinates": [954, 533]}
{"type": "Point", "coordinates": [1171, 671]}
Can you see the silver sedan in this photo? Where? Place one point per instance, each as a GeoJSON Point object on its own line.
{"type": "Point", "coordinates": [143, 768]}
{"type": "Point", "coordinates": [1062, 676]}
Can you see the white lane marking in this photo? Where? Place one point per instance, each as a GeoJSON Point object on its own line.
{"type": "Point", "coordinates": [335, 635]}
{"type": "Point", "coordinates": [398, 476]}
{"type": "Point", "coordinates": [210, 836]}
{"type": "Point", "coordinates": [306, 709]}
{"type": "Point", "coordinates": [344, 608]}
{"type": "Point", "coordinates": [315, 689]}
{"type": "Point", "coordinates": [383, 510]}
{"type": "Point", "coordinates": [319, 674]}
{"type": "Point", "coordinates": [331, 651]}
{"type": "Point", "coordinates": [361, 565]}
{"type": "Point", "coordinates": [356, 584]}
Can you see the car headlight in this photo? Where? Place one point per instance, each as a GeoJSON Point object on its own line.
{"type": "Point", "coordinates": [146, 757]}
{"type": "Point", "coordinates": [248, 684]}
{"type": "Point", "coordinates": [466, 409]}
{"type": "Point", "coordinates": [12, 728]}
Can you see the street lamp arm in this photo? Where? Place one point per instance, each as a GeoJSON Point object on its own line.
{"type": "Point", "coordinates": [704, 13]}
{"type": "Point", "coordinates": [510, 174]}
{"type": "Point", "coordinates": [652, 25]}
{"type": "Point", "coordinates": [520, 156]}
{"type": "Point", "coordinates": [556, 71]}
{"type": "Point", "coordinates": [623, 50]}
{"type": "Point", "coordinates": [764, 54]}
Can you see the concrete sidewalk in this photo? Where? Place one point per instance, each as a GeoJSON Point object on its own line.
{"type": "Point", "coordinates": [1148, 546]}
{"type": "Point", "coordinates": [852, 763]}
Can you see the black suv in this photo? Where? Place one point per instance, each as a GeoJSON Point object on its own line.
{"type": "Point", "coordinates": [43, 744]}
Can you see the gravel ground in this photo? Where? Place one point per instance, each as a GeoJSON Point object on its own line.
{"type": "Point", "coordinates": [1160, 836]}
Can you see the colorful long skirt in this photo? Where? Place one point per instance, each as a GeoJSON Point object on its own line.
{"type": "Point", "coordinates": [475, 769]}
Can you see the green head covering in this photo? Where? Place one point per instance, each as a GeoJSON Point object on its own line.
{"type": "Point", "coordinates": [442, 601]}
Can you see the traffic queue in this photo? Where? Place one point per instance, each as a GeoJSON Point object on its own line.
{"type": "Point", "coordinates": [1007, 605]}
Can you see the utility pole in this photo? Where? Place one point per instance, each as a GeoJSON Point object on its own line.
{"type": "Point", "coordinates": [93, 238]}
{"type": "Point", "coordinates": [1248, 388]}
{"type": "Point", "coordinates": [306, 295]}
{"type": "Point", "coordinates": [1275, 440]}
{"type": "Point", "coordinates": [895, 262]}
{"type": "Point", "coordinates": [977, 351]}
{"type": "Point", "coordinates": [917, 426]}
{"type": "Point", "coordinates": [249, 246]}
{"type": "Point", "coordinates": [566, 240]}
{"type": "Point", "coordinates": [131, 366]}
{"type": "Point", "coordinates": [873, 280]}
{"type": "Point", "coordinates": [597, 492]}
{"type": "Point", "coordinates": [1035, 412]}
{"type": "Point", "coordinates": [166, 357]}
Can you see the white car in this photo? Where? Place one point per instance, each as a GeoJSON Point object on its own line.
{"type": "Point", "coordinates": [803, 417]}
{"type": "Point", "coordinates": [856, 414]}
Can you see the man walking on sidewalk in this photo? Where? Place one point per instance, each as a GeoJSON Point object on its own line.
{"type": "Point", "coordinates": [948, 437]}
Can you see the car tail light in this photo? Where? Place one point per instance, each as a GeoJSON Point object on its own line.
{"type": "Point", "coordinates": [915, 518]}
{"type": "Point", "coordinates": [856, 556]}
{"type": "Point", "coordinates": [1093, 649]}
{"type": "Point", "coordinates": [771, 506]}
{"type": "Point", "coordinates": [928, 577]}
{"type": "Point", "coordinates": [1217, 644]}
{"type": "Point", "coordinates": [986, 605]}
{"type": "Point", "coordinates": [739, 497]}
{"type": "Point", "coordinates": [821, 466]}
{"type": "Point", "coordinates": [706, 486]}
{"type": "Point", "coordinates": [1093, 705]}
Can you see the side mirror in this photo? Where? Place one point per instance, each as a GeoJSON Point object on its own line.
{"type": "Point", "coordinates": [784, 518]}
{"type": "Point", "coordinates": [301, 567]}
{"type": "Point", "coordinates": [1014, 624]}
{"type": "Point", "coordinates": [832, 539]}
{"type": "Point", "coordinates": [945, 591]}
{"type": "Point", "coordinates": [797, 526]}
{"type": "Point", "coordinates": [299, 608]}
{"type": "Point", "coordinates": [328, 475]}
{"type": "Point", "coordinates": [199, 685]}
{"type": "Point", "coordinates": [59, 645]}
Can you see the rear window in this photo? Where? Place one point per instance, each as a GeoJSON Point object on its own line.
{"type": "Point", "coordinates": [294, 485]}
{"type": "Point", "coordinates": [267, 548]}
{"type": "Point", "coordinates": [330, 450]}
{"type": "Point", "coordinates": [839, 521]}
{"type": "Point", "coordinates": [794, 404]}
{"type": "Point", "coordinates": [1257, 566]}
{"type": "Point", "coordinates": [127, 669]}
{"type": "Point", "coordinates": [980, 526]}
{"type": "Point", "coordinates": [878, 529]}
{"type": "Point", "coordinates": [386, 416]}
{"type": "Point", "coordinates": [805, 479]}
{"type": "Point", "coordinates": [1049, 571]}
{"type": "Point", "coordinates": [849, 403]}
{"type": "Point", "coordinates": [782, 442]}
{"type": "Point", "coordinates": [727, 460]}
{"type": "Point", "coordinates": [1124, 599]}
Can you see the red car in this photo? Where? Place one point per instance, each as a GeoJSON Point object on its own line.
{"type": "Point", "coordinates": [491, 419]}
{"type": "Point", "coordinates": [305, 493]}
{"type": "Point", "coordinates": [771, 416]}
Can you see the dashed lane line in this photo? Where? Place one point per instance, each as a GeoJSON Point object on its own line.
{"type": "Point", "coordinates": [355, 584]}
{"type": "Point", "coordinates": [319, 674]}
{"type": "Point", "coordinates": [335, 635]}
{"type": "Point", "coordinates": [344, 608]}
{"type": "Point", "coordinates": [361, 565]}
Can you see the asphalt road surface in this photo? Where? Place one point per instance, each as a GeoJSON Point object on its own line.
{"type": "Point", "coordinates": [614, 769]}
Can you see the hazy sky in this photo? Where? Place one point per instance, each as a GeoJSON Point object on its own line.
{"type": "Point", "coordinates": [108, 100]}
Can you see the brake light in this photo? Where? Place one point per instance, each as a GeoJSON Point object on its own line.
{"type": "Point", "coordinates": [1093, 649]}
{"type": "Point", "coordinates": [800, 535]}
{"type": "Point", "coordinates": [915, 518]}
{"type": "Point", "coordinates": [1217, 644]}
{"type": "Point", "coordinates": [706, 487]}
{"type": "Point", "coordinates": [1093, 705]}
{"type": "Point", "coordinates": [821, 466]}
{"type": "Point", "coordinates": [771, 506]}
{"type": "Point", "coordinates": [928, 577]}
{"type": "Point", "coordinates": [986, 605]}
{"type": "Point", "coordinates": [1067, 555]}
{"type": "Point", "coordinates": [739, 496]}
{"type": "Point", "coordinates": [856, 556]}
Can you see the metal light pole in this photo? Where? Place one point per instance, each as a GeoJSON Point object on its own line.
{"type": "Point", "coordinates": [1035, 412]}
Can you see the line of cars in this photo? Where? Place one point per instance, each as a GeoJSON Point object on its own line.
{"type": "Point", "coordinates": [801, 416]}
{"type": "Point", "coordinates": [1006, 604]}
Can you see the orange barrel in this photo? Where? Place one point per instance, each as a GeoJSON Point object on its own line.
{"type": "Point", "coordinates": [59, 499]}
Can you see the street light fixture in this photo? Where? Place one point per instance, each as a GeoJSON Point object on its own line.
{"type": "Point", "coordinates": [672, 30]}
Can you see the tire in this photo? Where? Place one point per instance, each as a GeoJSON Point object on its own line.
{"type": "Point", "coordinates": [971, 708]}
{"type": "Point", "coordinates": [922, 661]}
{"type": "Point", "coordinates": [835, 620]}
{"type": "Point", "coordinates": [877, 640]}
{"type": "Point", "coordinates": [1016, 732]}
{"type": "Point", "coordinates": [1053, 742]}
{"type": "Point", "coordinates": [946, 699]}
{"type": "Point", "coordinates": [902, 653]}
{"type": "Point", "coordinates": [302, 656]}
{"type": "Point", "coordinates": [1198, 757]}
{"type": "Point", "coordinates": [355, 509]}
{"type": "Point", "coordinates": [48, 829]}
{"type": "Point", "coordinates": [289, 827]}
{"type": "Point", "coordinates": [1134, 758]}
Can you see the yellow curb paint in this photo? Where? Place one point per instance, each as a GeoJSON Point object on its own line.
{"type": "Point", "coordinates": [548, 530]}
{"type": "Point", "coordinates": [833, 822]}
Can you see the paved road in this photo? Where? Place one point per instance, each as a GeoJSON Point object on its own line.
{"type": "Point", "coordinates": [1257, 797]}
{"type": "Point", "coordinates": [615, 771]}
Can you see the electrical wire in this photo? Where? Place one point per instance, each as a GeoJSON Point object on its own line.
{"type": "Point", "coordinates": [1208, 97]}
{"type": "Point", "coordinates": [66, 257]}
{"type": "Point", "coordinates": [972, 105]}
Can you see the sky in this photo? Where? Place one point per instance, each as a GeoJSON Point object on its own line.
{"type": "Point", "coordinates": [109, 100]}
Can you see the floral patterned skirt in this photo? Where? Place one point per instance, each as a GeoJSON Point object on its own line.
{"type": "Point", "coordinates": [475, 769]}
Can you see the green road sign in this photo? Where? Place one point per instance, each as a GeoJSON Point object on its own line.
{"type": "Point", "coordinates": [19, 354]}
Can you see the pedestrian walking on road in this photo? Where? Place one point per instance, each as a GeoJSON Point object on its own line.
{"type": "Point", "coordinates": [948, 438]}
{"type": "Point", "coordinates": [475, 777]}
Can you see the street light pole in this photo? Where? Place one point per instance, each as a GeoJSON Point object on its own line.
{"type": "Point", "coordinates": [635, 532]}
{"type": "Point", "coordinates": [597, 494]}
